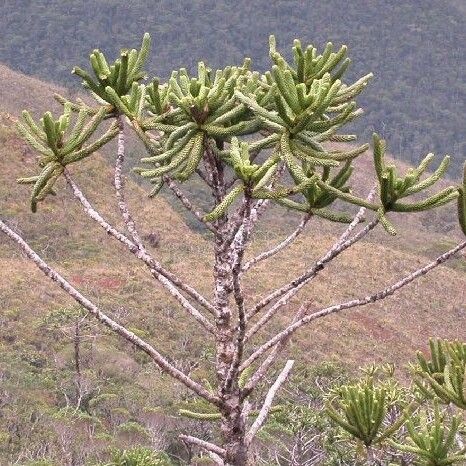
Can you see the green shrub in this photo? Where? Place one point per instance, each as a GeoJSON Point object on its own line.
{"type": "Point", "coordinates": [139, 456]}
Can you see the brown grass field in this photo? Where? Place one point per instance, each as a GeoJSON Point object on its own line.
{"type": "Point", "coordinates": [434, 306]}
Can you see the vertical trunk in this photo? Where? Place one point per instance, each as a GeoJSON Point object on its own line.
{"type": "Point", "coordinates": [233, 426]}
{"type": "Point", "coordinates": [233, 431]}
{"type": "Point", "coordinates": [223, 289]}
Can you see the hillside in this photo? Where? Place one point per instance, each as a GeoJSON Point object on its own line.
{"type": "Point", "coordinates": [122, 387]}
{"type": "Point", "coordinates": [416, 100]}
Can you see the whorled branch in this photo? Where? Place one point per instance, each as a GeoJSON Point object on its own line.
{"type": "Point", "coordinates": [292, 287]}
{"type": "Point", "coordinates": [120, 186]}
{"type": "Point", "coordinates": [289, 290]}
{"type": "Point", "coordinates": [343, 243]}
{"type": "Point", "coordinates": [170, 281]}
{"type": "Point", "coordinates": [238, 248]}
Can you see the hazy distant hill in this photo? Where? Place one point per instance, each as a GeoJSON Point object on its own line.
{"type": "Point", "coordinates": [415, 48]}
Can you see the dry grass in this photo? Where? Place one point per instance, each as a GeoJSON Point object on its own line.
{"type": "Point", "coordinates": [390, 331]}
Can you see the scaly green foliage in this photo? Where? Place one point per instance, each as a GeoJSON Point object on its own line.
{"type": "Point", "coordinates": [139, 456]}
{"type": "Point", "coordinates": [112, 81]}
{"type": "Point", "coordinates": [394, 187]}
{"type": "Point", "coordinates": [294, 110]}
{"type": "Point", "coordinates": [59, 143]}
{"type": "Point", "coordinates": [360, 409]}
{"type": "Point", "coordinates": [432, 440]}
{"type": "Point", "coordinates": [408, 94]}
{"type": "Point", "coordinates": [444, 376]}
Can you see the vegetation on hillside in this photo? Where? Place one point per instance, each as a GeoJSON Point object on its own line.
{"type": "Point", "coordinates": [38, 360]}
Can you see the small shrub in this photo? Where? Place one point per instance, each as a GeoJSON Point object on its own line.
{"type": "Point", "coordinates": [139, 456]}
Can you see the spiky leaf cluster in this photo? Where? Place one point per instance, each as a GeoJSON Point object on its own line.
{"type": "Point", "coordinates": [257, 126]}
{"type": "Point", "coordinates": [394, 187]}
{"type": "Point", "coordinates": [111, 81]}
{"type": "Point", "coordinates": [360, 409]}
{"type": "Point", "coordinates": [189, 111]}
{"type": "Point", "coordinates": [194, 114]}
{"type": "Point", "coordinates": [60, 143]}
{"type": "Point", "coordinates": [444, 375]}
{"type": "Point", "coordinates": [301, 106]}
{"type": "Point", "coordinates": [431, 440]}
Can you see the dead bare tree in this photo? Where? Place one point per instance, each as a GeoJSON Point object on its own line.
{"type": "Point", "coordinates": [190, 127]}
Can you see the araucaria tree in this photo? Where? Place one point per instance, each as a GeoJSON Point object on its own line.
{"type": "Point", "coordinates": [253, 140]}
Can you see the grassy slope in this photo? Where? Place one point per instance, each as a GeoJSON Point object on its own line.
{"type": "Point", "coordinates": [390, 331]}
{"type": "Point", "coordinates": [20, 91]}
{"type": "Point", "coordinates": [68, 236]}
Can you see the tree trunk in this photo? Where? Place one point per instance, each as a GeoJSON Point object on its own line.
{"type": "Point", "coordinates": [234, 431]}
{"type": "Point", "coordinates": [233, 426]}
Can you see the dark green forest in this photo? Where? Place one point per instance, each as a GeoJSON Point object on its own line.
{"type": "Point", "coordinates": [416, 100]}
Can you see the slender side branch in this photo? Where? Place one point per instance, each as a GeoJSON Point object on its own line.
{"type": "Point", "coordinates": [238, 247]}
{"type": "Point", "coordinates": [110, 323]}
{"type": "Point", "coordinates": [166, 278]}
{"type": "Point", "coordinates": [203, 444]}
{"type": "Point", "coordinates": [343, 243]}
{"type": "Point", "coordinates": [264, 411]}
{"type": "Point", "coordinates": [187, 203]}
{"type": "Point", "coordinates": [286, 242]}
{"type": "Point", "coordinates": [120, 186]}
{"type": "Point", "coordinates": [380, 295]}
{"type": "Point", "coordinates": [296, 284]}
{"type": "Point", "coordinates": [291, 289]}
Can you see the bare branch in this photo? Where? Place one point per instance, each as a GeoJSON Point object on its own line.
{"type": "Point", "coordinates": [203, 444]}
{"type": "Point", "coordinates": [264, 411]}
{"type": "Point", "coordinates": [238, 248]}
{"type": "Point", "coordinates": [166, 278]}
{"type": "Point", "coordinates": [380, 295]}
{"type": "Point", "coordinates": [296, 284]}
{"type": "Point", "coordinates": [286, 242]}
{"type": "Point", "coordinates": [110, 323]}
{"type": "Point", "coordinates": [187, 203]}
{"type": "Point", "coordinates": [120, 186]}
{"type": "Point", "coordinates": [292, 288]}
